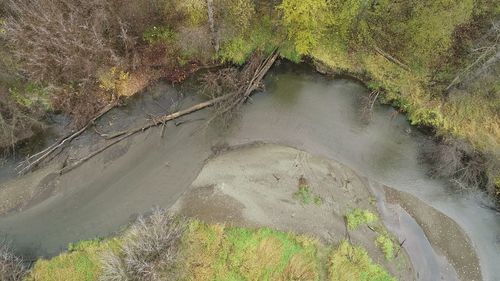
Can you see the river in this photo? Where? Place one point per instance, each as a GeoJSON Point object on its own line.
{"type": "Point", "coordinates": [299, 108]}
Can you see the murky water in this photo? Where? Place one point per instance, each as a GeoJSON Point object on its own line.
{"type": "Point", "coordinates": [299, 108]}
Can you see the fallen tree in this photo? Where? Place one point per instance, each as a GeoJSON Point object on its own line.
{"type": "Point", "coordinates": [255, 70]}
{"type": "Point", "coordinates": [258, 66]}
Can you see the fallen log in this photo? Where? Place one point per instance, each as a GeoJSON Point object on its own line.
{"type": "Point", "coordinates": [37, 158]}
{"type": "Point", "coordinates": [238, 98]}
{"type": "Point", "coordinates": [156, 122]}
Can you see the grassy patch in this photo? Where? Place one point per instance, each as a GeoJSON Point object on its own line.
{"type": "Point", "coordinates": [349, 262]}
{"type": "Point", "coordinates": [384, 242]}
{"type": "Point", "coordinates": [305, 194]}
{"type": "Point", "coordinates": [80, 263]}
{"type": "Point", "coordinates": [215, 252]}
{"type": "Point", "coordinates": [358, 217]}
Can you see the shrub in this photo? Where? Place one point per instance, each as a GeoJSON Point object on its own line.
{"type": "Point", "coordinates": [305, 194]}
{"type": "Point", "coordinates": [149, 247]}
{"type": "Point", "coordinates": [80, 263]}
{"type": "Point", "coordinates": [386, 245]}
{"type": "Point", "coordinates": [349, 262]}
{"type": "Point", "coordinates": [459, 162]}
{"type": "Point", "coordinates": [12, 268]}
{"type": "Point", "coordinates": [358, 217]}
{"type": "Point", "coordinates": [158, 34]}
{"type": "Point", "coordinates": [113, 80]}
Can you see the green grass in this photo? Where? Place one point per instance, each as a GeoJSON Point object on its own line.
{"type": "Point", "coordinates": [80, 263]}
{"type": "Point", "coordinates": [384, 242]}
{"type": "Point", "coordinates": [215, 252]}
{"type": "Point", "coordinates": [358, 217]}
{"type": "Point", "coordinates": [352, 263]}
{"type": "Point", "coordinates": [305, 194]}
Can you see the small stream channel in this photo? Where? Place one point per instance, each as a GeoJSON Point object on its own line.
{"type": "Point", "coordinates": [299, 108]}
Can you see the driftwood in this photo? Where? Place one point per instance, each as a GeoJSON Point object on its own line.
{"type": "Point", "coordinates": [37, 158]}
{"type": "Point", "coordinates": [236, 99]}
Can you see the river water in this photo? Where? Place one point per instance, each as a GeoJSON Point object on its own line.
{"type": "Point", "coordinates": [299, 108]}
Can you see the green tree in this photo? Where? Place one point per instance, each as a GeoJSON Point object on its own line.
{"type": "Point", "coordinates": [305, 22]}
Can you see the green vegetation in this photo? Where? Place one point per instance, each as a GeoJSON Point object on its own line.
{"type": "Point", "coordinates": [386, 245]}
{"type": "Point", "coordinates": [80, 263]}
{"type": "Point", "coordinates": [215, 252]}
{"type": "Point", "coordinates": [349, 262]}
{"type": "Point", "coordinates": [160, 34]}
{"type": "Point", "coordinates": [305, 194]}
{"type": "Point", "coordinates": [208, 252]}
{"type": "Point", "coordinates": [358, 217]}
{"type": "Point", "coordinates": [433, 59]}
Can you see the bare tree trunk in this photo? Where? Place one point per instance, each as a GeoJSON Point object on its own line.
{"type": "Point", "coordinates": [211, 22]}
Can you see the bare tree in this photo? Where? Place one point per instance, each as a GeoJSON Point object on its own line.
{"type": "Point", "coordinates": [64, 41]}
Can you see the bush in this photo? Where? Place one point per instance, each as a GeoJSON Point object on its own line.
{"type": "Point", "coordinates": [148, 249]}
{"type": "Point", "coordinates": [386, 245]}
{"type": "Point", "coordinates": [161, 34]}
{"type": "Point", "coordinates": [358, 217]}
{"type": "Point", "coordinates": [12, 268]}
{"type": "Point", "coordinates": [458, 161]}
{"type": "Point", "coordinates": [349, 262]}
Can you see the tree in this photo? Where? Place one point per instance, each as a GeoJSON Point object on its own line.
{"type": "Point", "coordinates": [305, 22]}
{"type": "Point", "coordinates": [64, 41]}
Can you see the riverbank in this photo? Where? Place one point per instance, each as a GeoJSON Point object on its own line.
{"type": "Point", "coordinates": [299, 109]}
{"type": "Point", "coordinates": [242, 190]}
{"type": "Point", "coordinates": [215, 252]}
